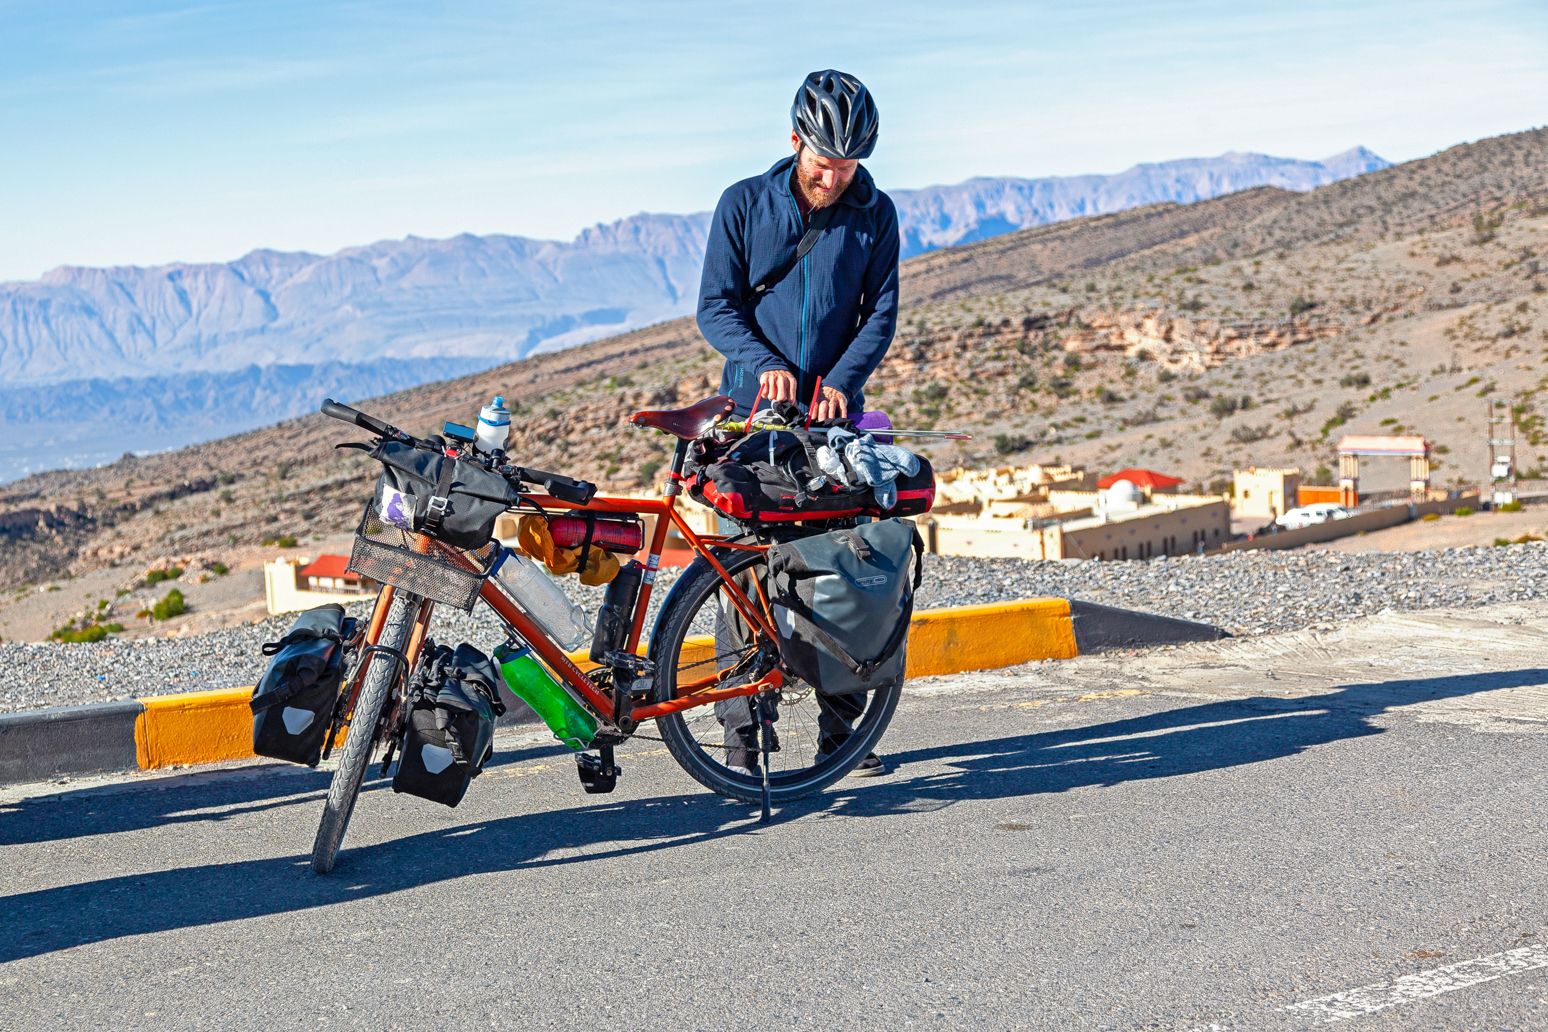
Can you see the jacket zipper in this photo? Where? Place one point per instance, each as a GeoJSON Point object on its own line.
{"type": "Point", "coordinates": [801, 325]}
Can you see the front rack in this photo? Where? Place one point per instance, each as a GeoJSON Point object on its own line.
{"type": "Point", "coordinates": [435, 570]}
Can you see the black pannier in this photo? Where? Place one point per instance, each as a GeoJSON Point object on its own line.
{"type": "Point", "coordinates": [453, 699]}
{"type": "Point", "coordinates": [842, 603]}
{"type": "Point", "coordinates": [293, 704]}
{"type": "Point", "coordinates": [451, 500]}
{"type": "Point", "coordinates": [769, 476]}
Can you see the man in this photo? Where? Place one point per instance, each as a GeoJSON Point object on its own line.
{"type": "Point", "coordinates": [833, 314]}
{"type": "Point", "coordinates": [783, 324]}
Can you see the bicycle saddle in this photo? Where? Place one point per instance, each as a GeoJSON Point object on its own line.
{"type": "Point", "coordinates": [688, 423]}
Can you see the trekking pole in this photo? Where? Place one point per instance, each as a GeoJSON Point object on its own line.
{"type": "Point", "coordinates": [811, 407]}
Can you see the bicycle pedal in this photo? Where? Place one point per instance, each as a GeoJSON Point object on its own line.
{"type": "Point", "coordinates": [598, 776]}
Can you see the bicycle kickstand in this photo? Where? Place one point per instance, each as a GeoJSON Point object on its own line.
{"type": "Point", "coordinates": [766, 715]}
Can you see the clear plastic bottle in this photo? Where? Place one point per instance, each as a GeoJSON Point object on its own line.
{"type": "Point", "coordinates": [531, 682]}
{"type": "Point", "coordinates": [529, 585]}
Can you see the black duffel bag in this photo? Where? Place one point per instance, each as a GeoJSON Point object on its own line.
{"type": "Point", "coordinates": [451, 500]}
{"type": "Point", "coordinates": [842, 603]}
{"type": "Point", "coordinates": [453, 698]}
{"type": "Point", "coordinates": [293, 703]}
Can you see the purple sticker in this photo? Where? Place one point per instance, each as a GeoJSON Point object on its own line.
{"type": "Point", "coordinates": [396, 508]}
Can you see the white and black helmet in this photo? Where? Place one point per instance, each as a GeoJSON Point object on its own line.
{"type": "Point", "coordinates": [834, 115]}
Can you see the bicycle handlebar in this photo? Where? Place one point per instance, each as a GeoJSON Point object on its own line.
{"type": "Point", "coordinates": [565, 488]}
{"type": "Point", "coordinates": [562, 487]}
{"type": "Point", "coordinates": [363, 421]}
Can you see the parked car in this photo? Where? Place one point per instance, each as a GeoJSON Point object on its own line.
{"type": "Point", "coordinates": [1311, 515]}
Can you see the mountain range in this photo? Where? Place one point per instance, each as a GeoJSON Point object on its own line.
{"type": "Point", "coordinates": [185, 352]}
{"type": "Point", "coordinates": [1252, 329]}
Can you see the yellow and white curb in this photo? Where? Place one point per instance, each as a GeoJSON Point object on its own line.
{"type": "Point", "coordinates": [208, 727]}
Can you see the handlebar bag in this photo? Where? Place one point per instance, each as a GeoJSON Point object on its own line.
{"type": "Point", "coordinates": [293, 703]}
{"type": "Point", "coordinates": [842, 602]}
{"type": "Point", "coordinates": [450, 499]}
{"type": "Point", "coordinates": [453, 698]}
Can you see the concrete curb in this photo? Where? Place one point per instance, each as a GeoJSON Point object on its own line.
{"type": "Point", "coordinates": [212, 726]}
{"type": "Point", "coordinates": [1098, 628]}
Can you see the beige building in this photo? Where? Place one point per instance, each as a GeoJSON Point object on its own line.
{"type": "Point", "coordinates": [1067, 518]}
{"type": "Point", "coordinates": [1006, 482]}
{"type": "Point", "coordinates": [291, 585]}
{"type": "Point", "coordinates": [1265, 493]}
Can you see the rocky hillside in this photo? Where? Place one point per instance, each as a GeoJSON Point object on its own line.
{"type": "Point", "coordinates": [375, 318]}
{"type": "Point", "coordinates": [1253, 328]}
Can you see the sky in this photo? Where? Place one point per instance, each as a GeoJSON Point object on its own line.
{"type": "Point", "coordinates": [139, 132]}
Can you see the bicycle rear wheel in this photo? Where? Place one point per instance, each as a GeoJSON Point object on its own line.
{"type": "Point", "coordinates": [700, 633]}
{"type": "Point", "coordinates": [359, 742]}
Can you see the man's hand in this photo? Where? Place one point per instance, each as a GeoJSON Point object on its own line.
{"type": "Point", "coordinates": [832, 405]}
{"type": "Point", "coordinates": [778, 385]}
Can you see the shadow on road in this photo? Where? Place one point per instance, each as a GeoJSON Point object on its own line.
{"type": "Point", "coordinates": [1189, 739]}
{"type": "Point", "coordinates": [194, 798]}
{"type": "Point", "coordinates": [110, 908]}
{"type": "Point", "coordinates": [1186, 740]}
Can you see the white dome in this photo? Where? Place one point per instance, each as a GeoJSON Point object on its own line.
{"type": "Point", "coordinates": [1124, 494]}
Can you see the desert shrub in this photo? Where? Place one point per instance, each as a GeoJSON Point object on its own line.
{"type": "Point", "coordinates": [87, 633]}
{"type": "Point", "coordinates": [283, 541]}
{"type": "Point", "coordinates": [931, 393]}
{"type": "Point", "coordinates": [1226, 405]}
{"type": "Point", "coordinates": [172, 605]}
{"type": "Point", "coordinates": [1301, 305]}
{"type": "Point", "coordinates": [1006, 444]}
{"type": "Point", "coordinates": [166, 573]}
{"type": "Point", "coordinates": [1466, 510]}
{"type": "Point", "coordinates": [1107, 396]}
{"type": "Point", "coordinates": [1193, 394]}
{"type": "Point", "coordinates": [1429, 517]}
{"type": "Point", "coordinates": [1345, 413]}
{"type": "Point", "coordinates": [73, 635]}
{"type": "Point", "coordinates": [1510, 507]}
{"type": "Point", "coordinates": [1355, 380]}
{"type": "Point", "coordinates": [219, 569]}
{"type": "Point", "coordinates": [1246, 434]}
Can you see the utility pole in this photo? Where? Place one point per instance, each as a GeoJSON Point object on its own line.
{"type": "Point", "coordinates": [1502, 453]}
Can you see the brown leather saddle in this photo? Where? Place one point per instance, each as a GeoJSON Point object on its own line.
{"type": "Point", "coordinates": [689, 423]}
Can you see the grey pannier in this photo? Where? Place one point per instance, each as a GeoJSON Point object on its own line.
{"type": "Point", "coordinates": [842, 602]}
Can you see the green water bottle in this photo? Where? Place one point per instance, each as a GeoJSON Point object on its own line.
{"type": "Point", "coordinates": [533, 684]}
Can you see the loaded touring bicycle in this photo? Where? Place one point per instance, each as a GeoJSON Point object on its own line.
{"type": "Point", "coordinates": [382, 690]}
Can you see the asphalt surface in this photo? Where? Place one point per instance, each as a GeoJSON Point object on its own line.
{"type": "Point", "coordinates": [1341, 826]}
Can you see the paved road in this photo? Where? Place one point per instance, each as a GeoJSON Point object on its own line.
{"type": "Point", "coordinates": [1339, 826]}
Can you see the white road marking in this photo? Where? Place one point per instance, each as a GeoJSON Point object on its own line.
{"type": "Point", "coordinates": [1368, 999]}
{"type": "Point", "coordinates": [1379, 996]}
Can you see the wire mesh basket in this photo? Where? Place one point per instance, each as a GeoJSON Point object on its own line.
{"type": "Point", "coordinates": [435, 570]}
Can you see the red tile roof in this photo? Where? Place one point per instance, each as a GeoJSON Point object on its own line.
{"type": "Point", "coordinates": [328, 566]}
{"type": "Point", "coordinates": [1140, 478]}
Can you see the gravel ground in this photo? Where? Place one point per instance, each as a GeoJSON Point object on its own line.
{"type": "Point", "coordinates": [1246, 593]}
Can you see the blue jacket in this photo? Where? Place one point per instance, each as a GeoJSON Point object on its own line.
{"type": "Point", "coordinates": [834, 314]}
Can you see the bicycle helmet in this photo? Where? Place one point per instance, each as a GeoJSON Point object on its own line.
{"type": "Point", "coordinates": [834, 115]}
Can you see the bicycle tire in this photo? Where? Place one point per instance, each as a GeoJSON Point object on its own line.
{"type": "Point", "coordinates": [356, 754]}
{"type": "Point", "coordinates": [697, 585]}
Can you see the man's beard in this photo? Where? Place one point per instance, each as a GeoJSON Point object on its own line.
{"type": "Point", "coordinates": [811, 190]}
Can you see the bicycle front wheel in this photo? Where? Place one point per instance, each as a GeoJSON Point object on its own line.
{"type": "Point", "coordinates": [358, 743]}
{"type": "Point", "coordinates": [819, 739]}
